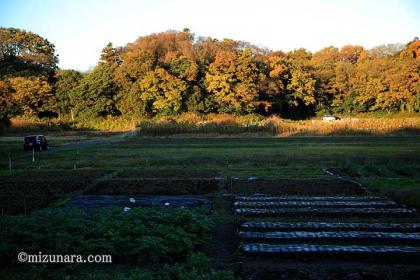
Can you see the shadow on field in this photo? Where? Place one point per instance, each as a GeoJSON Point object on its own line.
{"type": "Point", "coordinates": [296, 187]}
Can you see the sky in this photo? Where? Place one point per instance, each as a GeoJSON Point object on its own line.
{"type": "Point", "coordinates": [81, 28]}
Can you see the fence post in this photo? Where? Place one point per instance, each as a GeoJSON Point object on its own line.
{"type": "Point", "coordinates": [33, 154]}
{"type": "Point", "coordinates": [10, 164]}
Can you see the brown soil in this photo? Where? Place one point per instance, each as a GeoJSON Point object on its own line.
{"type": "Point", "coordinates": [155, 187]}
{"type": "Point", "coordinates": [331, 270]}
{"type": "Point", "coordinates": [133, 173]}
{"type": "Point", "coordinates": [52, 175]}
{"type": "Point", "coordinates": [297, 187]}
{"type": "Point", "coordinates": [24, 191]}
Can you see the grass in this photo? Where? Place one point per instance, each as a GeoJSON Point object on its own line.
{"type": "Point", "coordinates": [360, 158]}
{"type": "Point", "coordinates": [263, 157]}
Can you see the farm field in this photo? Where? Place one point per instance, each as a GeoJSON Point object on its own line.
{"type": "Point", "coordinates": [213, 168]}
{"type": "Point", "coordinates": [254, 141]}
{"type": "Point", "coordinates": [384, 164]}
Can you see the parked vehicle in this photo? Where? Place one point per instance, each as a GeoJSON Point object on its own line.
{"type": "Point", "coordinates": [35, 142]}
{"type": "Point", "coordinates": [330, 118]}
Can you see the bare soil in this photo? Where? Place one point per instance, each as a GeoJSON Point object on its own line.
{"type": "Point", "coordinates": [24, 191]}
{"type": "Point", "coordinates": [155, 187]}
{"type": "Point", "coordinates": [297, 187]}
{"type": "Point", "coordinates": [329, 269]}
{"type": "Point", "coordinates": [135, 173]}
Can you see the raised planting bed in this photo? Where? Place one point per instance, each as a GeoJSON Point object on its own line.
{"type": "Point", "coordinates": [257, 248]}
{"type": "Point", "coordinates": [279, 236]}
{"type": "Point", "coordinates": [167, 173]}
{"type": "Point", "coordinates": [51, 175]}
{"type": "Point", "coordinates": [273, 212]}
{"type": "Point", "coordinates": [307, 198]}
{"type": "Point", "coordinates": [296, 187]}
{"type": "Point", "coordinates": [317, 226]}
{"type": "Point", "coordinates": [25, 191]}
{"type": "Point", "coordinates": [294, 204]}
{"type": "Point", "coordinates": [128, 202]}
{"type": "Point", "coordinates": [155, 187]}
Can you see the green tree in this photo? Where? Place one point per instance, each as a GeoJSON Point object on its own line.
{"type": "Point", "coordinates": [110, 55]}
{"type": "Point", "coordinates": [95, 96]}
{"type": "Point", "coordinates": [66, 82]}
{"type": "Point", "coordinates": [24, 53]}
{"type": "Point", "coordinates": [135, 64]}
{"type": "Point", "coordinates": [161, 92]}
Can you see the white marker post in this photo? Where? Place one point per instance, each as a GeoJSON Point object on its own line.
{"type": "Point", "coordinates": [33, 155]}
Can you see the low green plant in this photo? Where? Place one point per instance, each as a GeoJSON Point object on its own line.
{"type": "Point", "coordinates": [149, 235]}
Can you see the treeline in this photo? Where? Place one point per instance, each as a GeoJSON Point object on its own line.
{"type": "Point", "coordinates": [174, 72]}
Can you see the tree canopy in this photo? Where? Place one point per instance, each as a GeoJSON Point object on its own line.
{"type": "Point", "coordinates": [173, 72]}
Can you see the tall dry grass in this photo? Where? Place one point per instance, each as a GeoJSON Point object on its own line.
{"type": "Point", "coordinates": [23, 125]}
{"type": "Point", "coordinates": [275, 126]}
{"type": "Point", "coordinates": [227, 124]}
{"type": "Point", "coordinates": [349, 126]}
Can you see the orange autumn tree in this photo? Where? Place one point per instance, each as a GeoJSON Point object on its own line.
{"type": "Point", "coordinates": [173, 72]}
{"type": "Point", "coordinates": [27, 65]}
{"type": "Point", "coordinates": [232, 80]}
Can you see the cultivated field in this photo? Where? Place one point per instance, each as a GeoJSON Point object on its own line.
{"type": "Point", "coordinates": [212, 168]}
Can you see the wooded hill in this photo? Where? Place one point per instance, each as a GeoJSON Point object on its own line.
{"type": "Point", "coordinates": [174, 72]}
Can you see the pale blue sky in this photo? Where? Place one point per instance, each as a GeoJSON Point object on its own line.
{"type": "Point", "coordinates": [81, 28]}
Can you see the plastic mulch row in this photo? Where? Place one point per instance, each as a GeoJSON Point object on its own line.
{"type": "Point", "coordinates": [329, 226]}
{"type": "Point", "coordinates": [308, 198]}
{"type": "Point", "coordinates": [313, 248]}
{"type": "Point", "coordinates": [259, 204]}
{"type": "Point", "coordinates": [296, 235]}
{"type": "Point", "coordinates": [323, 211]}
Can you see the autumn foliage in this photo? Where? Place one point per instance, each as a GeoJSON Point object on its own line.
{"type": "Point", "coordinates": [171, 73]}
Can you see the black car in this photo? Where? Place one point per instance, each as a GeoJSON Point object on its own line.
{"type": "Point", "coordinates": [35, 142]}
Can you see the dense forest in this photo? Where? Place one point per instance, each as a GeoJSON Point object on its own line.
{"type": "Point", "coordinates": [174, 72]}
